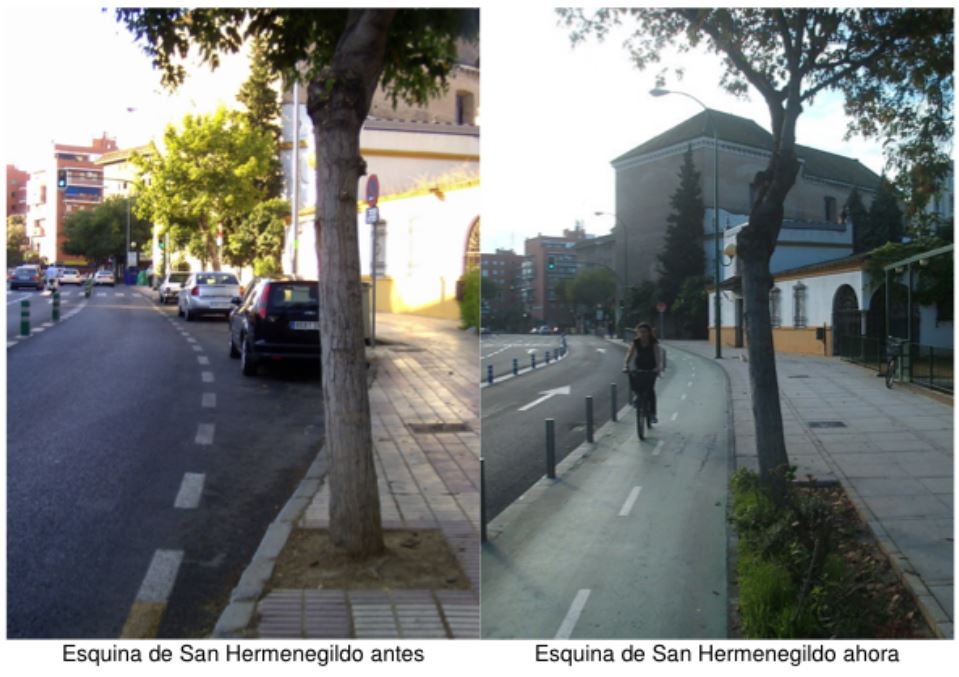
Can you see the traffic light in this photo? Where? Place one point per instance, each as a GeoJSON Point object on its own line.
{"type": "Point", "coordinates": [61, 179]}
{"type": "Point", "coordinates": [551, 263]}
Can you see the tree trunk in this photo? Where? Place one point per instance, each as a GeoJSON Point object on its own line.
{"type": "Point", "coordinates": [754, 246]}
{"type": "Point", "coordinates": [338, 102]}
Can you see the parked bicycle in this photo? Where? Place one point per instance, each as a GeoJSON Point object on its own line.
{"type": "Point", "coordinates": [894, 347]}
{"type": "Point", "coordinates": [641, 381]}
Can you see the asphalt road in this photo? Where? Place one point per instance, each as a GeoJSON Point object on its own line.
{"type": "Point", "coordinates": [631, 541]}
{"type": "Point", "coordinates": [499, 351]}
{"type": "Point", "coordinates": [127, 438]}
{"type": "Point", "coordinates": [514, 437]}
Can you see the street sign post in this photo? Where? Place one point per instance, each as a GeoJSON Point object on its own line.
{"type": "Point", "coordinates": [372, 217]}
{"type": "Point", "coordinates": [661, 307]}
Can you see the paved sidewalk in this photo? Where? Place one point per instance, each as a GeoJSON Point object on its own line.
{"type": "Point", "coordinates": [425, 416]}
{"type": "Point", "coordinates": [892, 450]}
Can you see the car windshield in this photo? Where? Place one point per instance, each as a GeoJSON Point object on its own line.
{"type": "Point", "coordinates": [179, 278]}
{"type": "Point", "coordinates": [70, 271]}
{"type": "Point", "coordinates": [25, 272]}
{"type": "Point", "coordinates": [216, 278]}
{"type": "Point", "coordinates": [287, 295]}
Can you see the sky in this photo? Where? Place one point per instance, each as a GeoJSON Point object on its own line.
{"type": "Point", "coordinates": [553, 117]}
{"type": "Point", "coordinates": [71, 73]}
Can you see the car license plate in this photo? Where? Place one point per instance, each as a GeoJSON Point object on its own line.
{"type": "Point", "coordinates": [310, 326]}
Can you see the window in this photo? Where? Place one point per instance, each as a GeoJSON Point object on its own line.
{"type": "Point", "coordinates": [830, 209]}
{"type": "Point", "coordinates": [775, 307]}
{"type": "Point", "coordinates": [799, 305]}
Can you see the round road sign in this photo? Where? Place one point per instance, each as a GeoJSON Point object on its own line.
{"type": "Point", "coordinates": [372, 190]}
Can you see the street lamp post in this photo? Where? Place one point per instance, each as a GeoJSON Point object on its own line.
{"type": "Point", "coordinates": [659, 91]}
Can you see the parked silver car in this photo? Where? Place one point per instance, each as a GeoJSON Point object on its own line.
{"type": "Point", "coordinates": [104, 277]}
{"type": "Point", "coordinates": [169, 288]}
{"type": "Point", "coordinates": [207, 293]}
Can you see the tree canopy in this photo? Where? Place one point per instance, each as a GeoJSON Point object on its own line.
{"type": "Point", "coordinates": [208, 176]}
{"type": "Point", "coordinates": [100, 232]}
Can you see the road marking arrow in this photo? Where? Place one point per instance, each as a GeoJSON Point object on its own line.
{"type": "Point", "coordinates": [546, 394]}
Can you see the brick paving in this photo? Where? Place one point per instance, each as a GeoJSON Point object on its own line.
{"type": "Point", "coordinates": [426, 376]}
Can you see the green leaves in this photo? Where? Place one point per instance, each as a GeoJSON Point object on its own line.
{"type": "Point", "coordinates": [100, 232]}
{"type": "Point", "coordinates": [420, 48]}
{"type": "Point", "coordinates": [211, 174]}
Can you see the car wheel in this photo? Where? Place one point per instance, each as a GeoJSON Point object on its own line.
{"type": "Point", "coordinates": [247, 361]}
{"type": "Point", "coordinates": [234, 353]}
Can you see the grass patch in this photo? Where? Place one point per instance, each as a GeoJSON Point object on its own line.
{"type": "Point", "coordinates": [810, 568]}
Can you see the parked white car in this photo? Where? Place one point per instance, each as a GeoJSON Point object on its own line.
{"type": "Point", "coordinates": [169, 288]}
{"type": "Point", "coordinates": [71, 276]}
{"type": "Point", "coordinates": [104, 277]}
{"type": "Point", "coordinates": [206, 294]}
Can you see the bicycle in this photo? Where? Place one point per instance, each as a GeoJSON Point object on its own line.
{"type": "Point", "coordinates": [893, 355]}
{"type": "Point", "coordinates": [641, 381]}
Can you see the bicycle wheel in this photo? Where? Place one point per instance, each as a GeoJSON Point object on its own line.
{"type": "Point", "coordinates": [641, 416]}
{"type": "Point", "coordinates": [890, 372]}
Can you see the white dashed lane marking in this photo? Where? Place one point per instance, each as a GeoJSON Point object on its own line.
{"type": "Point", "coordinates": [674, 416]}
{"type": "Point", "coordinates": [202, 359]}
{"type": "Point", "coordinates": [207, 376]}
{"type": "Point", "coordinates": [209, 401]}
{"type": "Point", "coordinates": [572, 616]}
{"type": "Point", "coordinates": [630, 502]}
{"type": "Point", "coordinates": [191, 490]}
{"type": "Point", "coordinates": [204, 433]}
{"type": "Point", "coordinates": [659, 448]}
{"type": "Point", "coordinates": [160, 577]}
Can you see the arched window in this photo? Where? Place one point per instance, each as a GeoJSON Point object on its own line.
{"type": "Point", "coordinates": [799, 305]}
{"type": "Point", "coordinates": [775, 307]}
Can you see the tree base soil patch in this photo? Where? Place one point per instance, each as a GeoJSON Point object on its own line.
{"type": "Point", "coordinates": [810, 567]}
{"type": "Point", "coordinates": [413, 559]}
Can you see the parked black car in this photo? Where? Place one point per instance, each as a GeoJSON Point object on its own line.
{"type": "Point", "coordinates": [278, 319]}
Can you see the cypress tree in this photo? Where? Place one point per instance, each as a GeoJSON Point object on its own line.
{"type": "Point", "coordinates": [682, 256]}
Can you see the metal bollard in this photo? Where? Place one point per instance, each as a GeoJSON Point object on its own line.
{"type": "Point", "coordinates": [515, 367]}
{"type": "Point", "coordinates": [25, 317]}
{"type": "Point", "coordinates": [612, 400]}
{"type": "Point", "coordinates": [551, 448]}
{"type": "Point", "coordinates": [589, 420]}
{"type": "Point", "coordinates": [532, 361]}
{"type": "Point", "coordinates": [482, 500]}
{"type": "Point", "coordinates": [547, 357]}
{"type": "Point", "coordinates": [56, 306]}
{"type": "Point", "coordinates": [489, 374]}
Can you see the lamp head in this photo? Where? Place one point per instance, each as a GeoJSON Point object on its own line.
{"type": "Point", "coordinates": [659, 91]}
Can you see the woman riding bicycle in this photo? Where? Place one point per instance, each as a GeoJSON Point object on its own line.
{"type": "Point", "coordinates": [646, 355]}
